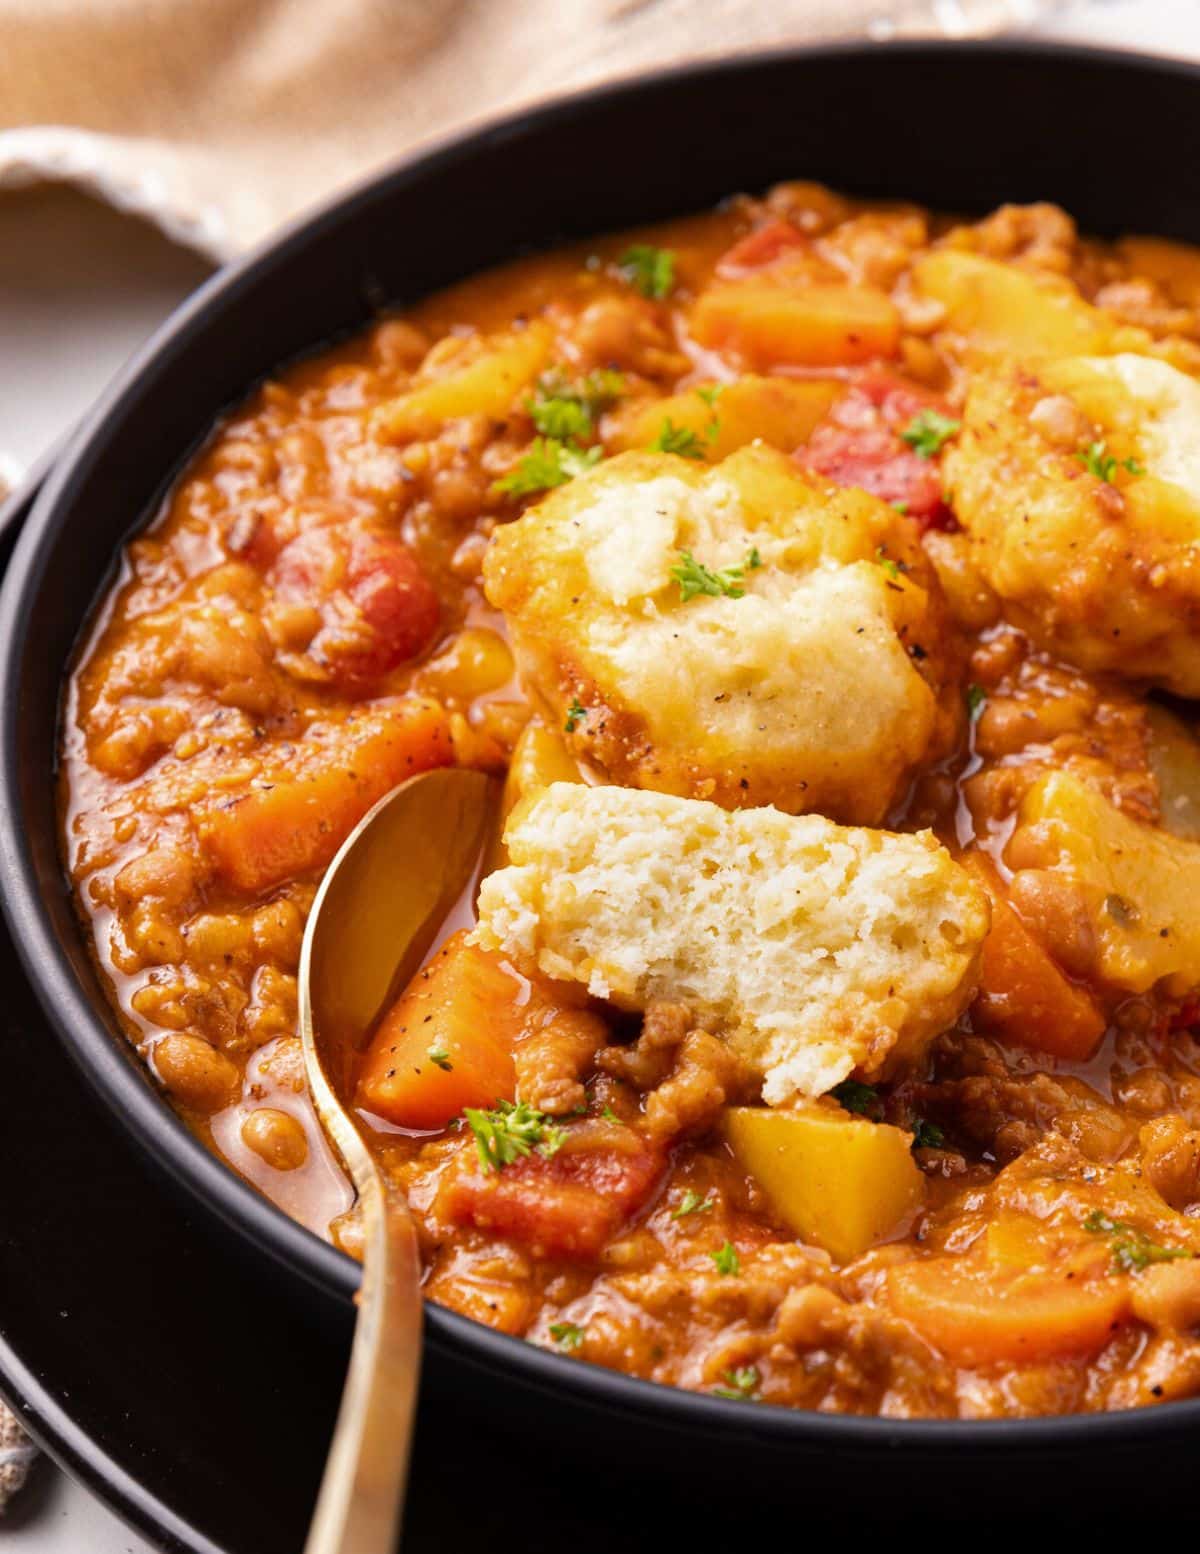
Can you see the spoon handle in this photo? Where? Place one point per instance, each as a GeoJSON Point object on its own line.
{"type": "Point", "coordinates": [361, 1500]}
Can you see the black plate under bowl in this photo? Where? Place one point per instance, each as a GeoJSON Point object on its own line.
{"type": "Point", "coordinates": [955, 126]}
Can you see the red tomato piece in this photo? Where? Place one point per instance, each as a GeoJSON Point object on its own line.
{"type": "Point", "coordinates": [860, 444]}
{"type": "Point", "coordinates": [377, 607]}
{"type": "Point", "coordinates": [758, 248]}
{"type": "Point", "coordinates": [567, 1206]}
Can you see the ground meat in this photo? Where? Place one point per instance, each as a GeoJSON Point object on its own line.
{"type": "Point", "coordinates": [551, 1063]}
{"type": "Point", "coordinates": [647, 1061]}
{"type": "Point", "coordinates": [1040, 235]}
{"type": "Point", "coordinates": [1171, 1157]}
{"type": "Point", "coordinates": [706, 1074]}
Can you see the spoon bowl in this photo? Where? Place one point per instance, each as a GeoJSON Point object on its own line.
{"type": "Point", "coordinates": [373, 922]}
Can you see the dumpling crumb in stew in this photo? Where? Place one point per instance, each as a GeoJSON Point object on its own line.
{"type": "Point", "coordinates": [825, 579]}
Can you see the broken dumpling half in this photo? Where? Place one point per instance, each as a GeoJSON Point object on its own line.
{"type": "Point", "coordinates": [1078, 481]}
{"type": "Point", "coordinates": [744, 633]}
{"type": "Point", "coordinates": [818, 950]}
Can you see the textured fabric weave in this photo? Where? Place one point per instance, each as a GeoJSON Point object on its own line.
{"type": "Point", "coordinates": [222, 118]}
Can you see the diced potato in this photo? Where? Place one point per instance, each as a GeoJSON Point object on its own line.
{"type": "Point", "coordinates": [767, 323]}
{"type": "Point", "coordinates": [780, 411]}
{"type": "Point", "coordinates": [1023, 996]}
{"type": "Point", "coordinates": [488, 382]}
{"type": "Point", "coordinates": [539, 757]}
{"type": "Point", "coordinates": [1002, 309]}
{"type": "Point", "coordinates": [839, 1181]}
{"type": "Point", "coordinates": [1141, 884]}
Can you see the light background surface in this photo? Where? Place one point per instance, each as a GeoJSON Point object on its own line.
{"type": "Point", "coordinates": [80, 288]}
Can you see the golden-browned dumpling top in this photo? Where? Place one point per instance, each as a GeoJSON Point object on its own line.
{"type": "Point", "coordinates": [745, 633]}
{"type": "Point", "coordinates": [1078, 481]}
{"type": "Point", "coordinates": [816, 949]}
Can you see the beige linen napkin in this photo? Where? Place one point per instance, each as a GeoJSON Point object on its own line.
{"type": "Point", "coordinates": [221, 118]}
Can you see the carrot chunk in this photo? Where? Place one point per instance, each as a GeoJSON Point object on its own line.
{"type": "Point", "coordinates": [447, 1042]}
{"type": "Point", "coordinates": [767, 323]}
{"type": "Point", "coordinates": [317, 791]}
{"type": "Point", "coordinates": [980, 1315]}
{"type": "Point", "coordinates": [1023, 996]}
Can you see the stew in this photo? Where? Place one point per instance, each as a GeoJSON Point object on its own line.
{"type": "Point", "coordinates": [824, 579]}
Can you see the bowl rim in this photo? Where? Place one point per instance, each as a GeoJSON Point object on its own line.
{"type": "Point", "coordinates": [149, 1120]}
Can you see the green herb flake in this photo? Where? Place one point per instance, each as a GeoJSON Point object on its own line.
{"type": "Point", "coordinates": [726, 1259]}
{"type": "Point", "coordinates": [609, 1115]}
{"type": "Point", "coordinates": [741, 1385]}
{"type": "Point", "coordinates": [440, 1058]}
{"type": "Point", "coordinates": [576, 713]}
{"type": "Point", "coordinates": [695, 578]}
{"type": "Point", "coordinates": [976, 698]}
{"type": "Point", "coordinates": [510, 1130]}
{"type": "Point", "coordinates": [928, 432]}
{"type": "Point", "coordinates": [680, 440]}
{"type": "Point", "coordinates": [567, 1335]}
{"type": "Point", "coordinates": [1132, 1249]}
{"type": "Point", "coordinates": [900, 507]}
{"type": "Point", "coordinates": [926, 1135]}
{"type": "Point", "coordinates": [1097, 460]}
{"type": "Point", "coordinates": [648, 269]}
{"type": "Point", "coordinates": [855, 1097]}
{"type": "Point", "coordinates": [547, 464]}
{"type": "Point", "coordinates": [566, 409]}
{"type": "Point", "coordinates": [692, 1203]}
{"type": "Point", "coordinates": [882, 559]}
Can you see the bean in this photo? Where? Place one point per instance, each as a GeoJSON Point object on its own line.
{"type": "Point", "coordinates": [276, 1137]}
{"type": "Point", "coordinates": [195, 1073]}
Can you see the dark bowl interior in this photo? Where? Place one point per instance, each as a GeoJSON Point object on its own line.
{"type": "Point", "coordinates": [958, 127]}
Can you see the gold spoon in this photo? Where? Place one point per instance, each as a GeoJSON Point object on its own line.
{"type": "Point", "coordinates": [374, 919]}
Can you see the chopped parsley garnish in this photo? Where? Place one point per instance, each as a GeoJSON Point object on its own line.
{"type": "Point", "coordinates": [695, 578]}
{"type": "Point", "coordinates": [510, 1130]}
{"type": "Point", "coordinates": [976, 697]}
{"type": "Point", "coordinates": [575, 715]}
{"type": "Point", "coordinates": [608, 1114]}
{"type": "Point", "coordinates": [548, 463]}
{"type": "Point", "coordinates": [680, 440]}
{"type": "Point", "coordinates": [727, 1260]}
{"type": "Point", "coordinates": [892, 568]}
{"type": "Point", "coordinates": [901, 507]}
{"type": "Point", "coordinates": [566, 409]}
{"type": "Point", "coordinates": [1097, 460]}
{"type": "Point", "coordinates": [926, 1135]}
{"type": "Point", "coordinates": [567, 1335]}
{"type": "Point", "coordinates": [440, 1057]}
{"type": "Point", "coordinates": [648, 269]}
{"type": "Point", "coordinates": [741, 1385]}
{"type": "Point", "coordinates": [928, 431]}
{"type": "Point", "coordinates": [855, 1097]}
{"type": "Point", "coordinates": [692, 1203]}
{"type": "Point", "coordinates": [1132, 1249]}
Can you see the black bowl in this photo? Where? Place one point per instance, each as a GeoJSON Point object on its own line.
{"type": "Point", "coordinates": [1110, 137]}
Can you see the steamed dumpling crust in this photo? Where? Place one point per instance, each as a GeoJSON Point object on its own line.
{"type": "Point", "coordinates": [1078, 482]}
{"type": "Point", "coordinates": [818, 950]}
{"type": "Point", "coordinates": [822, 682]}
